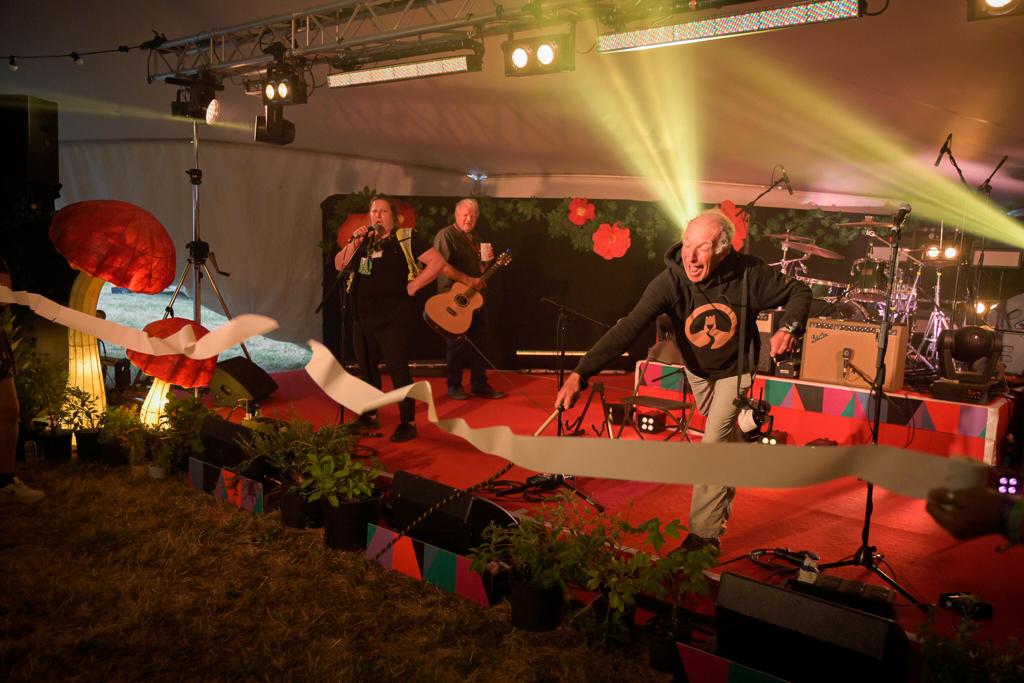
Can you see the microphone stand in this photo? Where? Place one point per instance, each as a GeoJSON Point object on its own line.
{"type": "Point", "coordinates": [547, 482]}
{"type": "Point", "coordinates": [866, 555]}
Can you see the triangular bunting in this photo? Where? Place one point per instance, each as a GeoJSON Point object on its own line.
{"type": "Point", "coordinates": [404, 558]}
{"type": "Point", "coordinates": [439, 567]}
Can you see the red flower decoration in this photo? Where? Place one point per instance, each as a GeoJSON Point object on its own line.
{"type": "Point", "coordinates": [176, 369]}
{"type": "Point", "coordinates": [739, 219]}
{"type": "Point", "coordinates": [611, 241]}
{"type": "Point", "coordinates": [354, 220]}
{"type": "Point", "coordinates": [406, 217]}
{"type": "Point", "coordinates": [115, 241]}
{"type": "Point", "coordinates": [580, 211]}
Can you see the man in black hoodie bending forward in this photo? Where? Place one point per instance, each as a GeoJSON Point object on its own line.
{"type": "Point", "coordinates": [701, 290]}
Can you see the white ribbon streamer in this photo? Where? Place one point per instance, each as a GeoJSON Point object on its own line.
{"type": "Point", "coordinates": [910, 473]}
{"type": "Point", "coordinates": [183, 342]}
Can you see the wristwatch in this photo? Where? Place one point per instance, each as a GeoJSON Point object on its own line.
{"type": "Point", "coordinates": [792, 328]}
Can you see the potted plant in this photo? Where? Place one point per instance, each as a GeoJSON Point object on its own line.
{"type": "Point", "coordinates": [83, 419]}
{"type": "Point", "coordinates": [40, 385]}
{"type": "Point", "coordinates": [178, 435]}
{"type": "Point", "coordinates": [538, 553]}
{"type": "Point", "coordinates": [346, 486]}
{"type": "Point", "coordinates": [123, 437]}
{"type": "Point", "coordinates": [674, 577]}
{"type": "Point", "coordinates": [55, 439]}
{"type": "Point", "coordinates": [280, 448]}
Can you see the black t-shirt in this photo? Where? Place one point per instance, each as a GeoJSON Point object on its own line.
{"type": "Point", "coordinates": [379, 292]}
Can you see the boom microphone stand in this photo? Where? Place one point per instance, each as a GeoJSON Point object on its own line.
{"type": "Point", "coordinates": [865, 556]}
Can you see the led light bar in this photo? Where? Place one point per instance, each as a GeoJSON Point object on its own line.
{"type": "Point", "coordinates": [732, 25]}
{"type": "Point", "coordinates": [406, 71]}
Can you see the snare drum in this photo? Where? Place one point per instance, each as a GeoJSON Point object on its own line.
{"type": "Point", "coordinates": [826, 290]}
{"type": "Point", "coordinates": [869, 280]}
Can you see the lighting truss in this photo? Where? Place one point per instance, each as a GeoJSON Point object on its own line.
{"type": "Point", "coordinates": [406, 71]}
{"type": "Point", "coordinates": [758, 21]}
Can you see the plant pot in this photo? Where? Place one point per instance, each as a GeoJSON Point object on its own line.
{"type": "Point", "coordinates": [27, 434]}
{"type": "Point", "coordinates": [89, 445]}
{"type": "Point", "coordinates": [157, 472]}
{"type": "Point", "coordinates": [299, 513]}
{"type": "Point", "coordinates": [535, 608]}
{"type": "Point", "coordinates": [55, 446]}
{"type": "Point", "coordinates": [113, 454]}
{"type": "Point", "coordinates": [345, 525]}
{"type": "Point", "coordinates": [664, 652]}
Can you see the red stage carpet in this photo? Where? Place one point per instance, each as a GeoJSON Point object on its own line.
{"type": "Point", "coordinates": [826, 518]}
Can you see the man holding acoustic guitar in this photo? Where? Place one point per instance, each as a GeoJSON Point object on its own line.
{"type": "Point", "coordinates": [466, 265]}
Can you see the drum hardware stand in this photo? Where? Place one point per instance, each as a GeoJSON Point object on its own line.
{"type": "Point", "coordinates": [938, 322]}
{"type": "Point", "coordinates": [866, 555]}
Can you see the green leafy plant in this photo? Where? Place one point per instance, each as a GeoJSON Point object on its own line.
{"type": "Point", "coordinates": [178, 434]}
{"type": "Point", "coordinates": [331, 473]}
{"type": "Point", "coordinates": [536, 550]}
{"type": "Point", "coordinates": [40, 384]}
{"type": "Point", "coordinates": [280, 445]}
{"type": "Point", "coordinates": [121, 426]}
{"type": "Point", "coordinates": [964, 658]}
{"type": "Point", "coordinates": [80, 407]}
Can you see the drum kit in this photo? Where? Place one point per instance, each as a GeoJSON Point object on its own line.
{"type": "Point", "coordinates": [866, 296]}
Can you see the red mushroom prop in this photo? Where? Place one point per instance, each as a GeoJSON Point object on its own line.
{"type": "Point", "coordinates": [108, 241]}
{"type": "Point", "coordinates": [170, 370]}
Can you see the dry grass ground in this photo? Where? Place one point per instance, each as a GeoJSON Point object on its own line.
{"type": "Point", "coordinates": [111, 579]}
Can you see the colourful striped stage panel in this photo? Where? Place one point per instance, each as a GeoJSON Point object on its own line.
{"type": "Point", "coordinates": [425, 562]}
{"type": "Point", "coordinates": [806, 411]}
{"type": "Point", "coordinates": [232, 488]}
{"type": "Point", "coordinates": [708, 668]}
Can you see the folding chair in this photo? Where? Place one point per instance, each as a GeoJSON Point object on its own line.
{"type": "Point", "coordinates": [666, 353]}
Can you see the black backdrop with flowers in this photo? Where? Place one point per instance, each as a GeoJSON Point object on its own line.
{"type": "Point", "coordinates": [590, 255]}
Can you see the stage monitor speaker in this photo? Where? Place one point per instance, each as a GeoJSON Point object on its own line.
{"type": "Point", "coordinates": [237, 379]}
{"type": "Point", "coordinates": [222, 445]}
{"type": "Point", "coordinates": [30, 158]}
{"type": "Point", "coordinates": [801, 638]}
{"type": "Point", "coordinates": [845, 352]}
{"type": "Point", "coordinates": [767, 324]}
{"type": "Point", "coordinates": [456, 526]}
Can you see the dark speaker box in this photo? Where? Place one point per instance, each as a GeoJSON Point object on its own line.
{"type": "Point", "coordinates": [222, 444]}
{"type": "Point", "coordinates": [237, 379]}
{"type": "Point", "coordinates": [767, 324]}
{"type": "Point", "coordinates": [835, 350]}
{"type": "Point", "coordinates": [457, 525]}
{"type": "Point", "coordinates": [801, 638]}
{"type": "Point", "coordinates": [30, 126]}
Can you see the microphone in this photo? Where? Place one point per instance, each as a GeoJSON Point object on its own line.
{"type": "Point", "coordinates": [785, 179]}
{"type": "Point", "coordinates": [901, 215]}
{"type": "Point", "coordinates": [355, 236]}
{"type": "Point", "coordinates": [945, 149]}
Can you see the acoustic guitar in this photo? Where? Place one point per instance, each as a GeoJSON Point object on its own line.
{"type": "Point", "coordinates": [451, 313]}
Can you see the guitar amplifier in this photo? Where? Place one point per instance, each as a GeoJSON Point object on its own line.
{"type": "Point", "coordinates": [767, 324]}
{"type": "Point", "coordinates": [845, 352]}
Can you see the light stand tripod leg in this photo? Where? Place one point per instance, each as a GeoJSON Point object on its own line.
{"type": "Point", "coordinates": [223, 304]}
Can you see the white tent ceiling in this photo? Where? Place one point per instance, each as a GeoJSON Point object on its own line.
{"type": "Point", "coordinates": [913, 74]}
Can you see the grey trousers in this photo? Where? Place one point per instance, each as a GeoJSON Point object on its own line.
{"type": "Point", "coordinates": [711, 505]}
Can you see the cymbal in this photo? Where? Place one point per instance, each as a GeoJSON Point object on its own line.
{"type": "Point", "coordinates": [789, 236]}
{"type": "Point", "coordinates": [811, 249]}
{"type": "Point", "coordinates": [874, 225]}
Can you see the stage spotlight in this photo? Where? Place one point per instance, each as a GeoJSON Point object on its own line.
{"type": "Point", "coordinates": [273, 128]}
{"type": "Point", "coordinates": [212, 112]}
{"type": "Point", "coordinates": [949, 253]}
{"type": "Point", "coordinates": [1010, 485]}
{"type": "Point", "coordinates": [976, 348]}
{"type": "Point", "coordinates": [195, 96]}
{"type": "Point", "coordinates": [652, 423]}
{"type": "Point", "coordinates": [992, 9]}
{"type": "Point", "coordinates": [983, 307]}
{"type": "Point", "coordinates": [540, 55]}
{"type": "Point", "coordinates": [932, 251]}
{"type": "Point", "coordinates": [284, 85]}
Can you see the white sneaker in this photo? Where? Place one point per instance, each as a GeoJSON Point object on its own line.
{"type": "Point", "coordinates": [19, 492]}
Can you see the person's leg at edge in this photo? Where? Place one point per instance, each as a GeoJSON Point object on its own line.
{"type": "Point", "coordinates": [711, 506]}
{"type": "Point", "coordinates": [12, 489]}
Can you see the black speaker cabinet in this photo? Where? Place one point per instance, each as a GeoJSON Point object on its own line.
{"type": "Point", "coordinates": [457, 525]}
{"type": "Point", "coordinates": [801, 638]}
{"type": "Point", "coordinates": [845, 352]}
{"type": "Point", "coordinates": [30, 158]}
{"type": "Point", "coordinates": [767, 323]}
{"type": "Point", "coordinates": [237, 379]}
